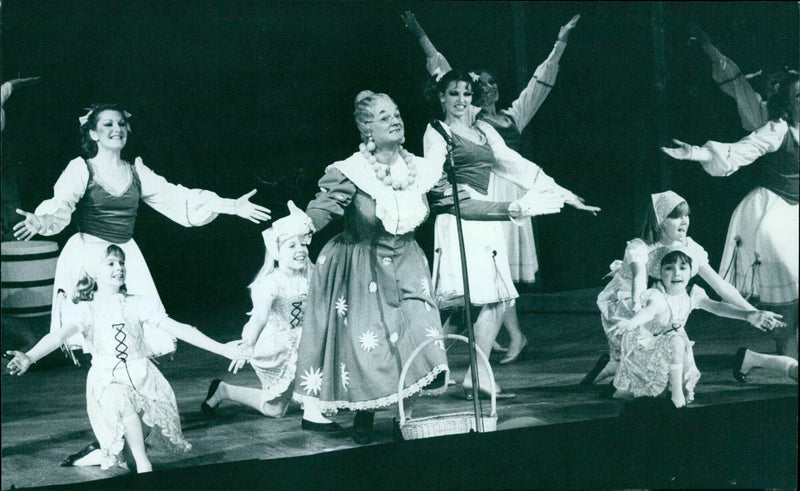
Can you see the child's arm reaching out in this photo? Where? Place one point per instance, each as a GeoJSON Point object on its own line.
{"type": "Point", "coordinates": [49, 343]}
{"type": "Point", "coordinates": [759, 319]}
{"type": "Point", "coordinates": [233, 350]}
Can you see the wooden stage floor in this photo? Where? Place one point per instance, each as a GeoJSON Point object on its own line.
{"type": "Point", "coordinates": [44, 417]}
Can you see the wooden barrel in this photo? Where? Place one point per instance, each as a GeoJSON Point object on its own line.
{"type": "Point", "coordinates": [27, 270]}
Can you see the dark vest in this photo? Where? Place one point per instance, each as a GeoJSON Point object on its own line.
{"type": "Point", "coordinates": [106, 216]}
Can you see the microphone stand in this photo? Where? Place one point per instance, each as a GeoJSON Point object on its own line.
{"type": "Point", "coordinates": [449, 168]}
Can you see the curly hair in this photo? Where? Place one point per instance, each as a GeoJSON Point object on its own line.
{"type": "Point", "coordinates": [89, 146]}
{"type": "Point", "coordinates": [434, 88]}
{"type": "Point", "coordinates": [363, 114]}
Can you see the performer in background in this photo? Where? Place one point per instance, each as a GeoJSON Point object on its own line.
{"type": "Point", "coordinates": [103, 190]}
{"type": "Point", "coordinates": [371, 302]}
{"type": "Point", "coordinates": [761, 249]}
{"type": "Point", "coordinates": [509, 123]}
{"type": "Point", "coordinates": [479, 154]}
{"type": "Point", "coordinates": [127, 397]}
{"type": "Point", "coordinates": [7, 89]}
{"type": "Point", "coordinates": [279, 293]}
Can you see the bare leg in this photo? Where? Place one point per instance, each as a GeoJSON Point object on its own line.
{"type": "Point", "coordinates": [486, 328]}
{"type": "Point", "coordinates": [518, 340]}
{"type": "Point", "coordinates": [134, 438]}
{"type": "Point", "coordinates": [676, 372]}
{"type": "Point", "coordinates": [776, 363]}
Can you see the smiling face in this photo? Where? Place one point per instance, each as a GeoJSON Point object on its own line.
{"type": "Point", "coordinates": [675, 276]}
{"type": "Point", "coordinates": [110, 274]}
{"type": "Point", "coordinates": [293, 254]}
{"type": "Point", "coordinates": [386, 127]}
{"type": "Point", "coordinates": [675, 228]}
{"type": "Point", "coordinates": [455, 99]}
{"type": "Point", "coordinates": [111, 131]}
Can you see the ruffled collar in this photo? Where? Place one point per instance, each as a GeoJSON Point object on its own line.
{"type": "Point", "coordinates": [400, 211]}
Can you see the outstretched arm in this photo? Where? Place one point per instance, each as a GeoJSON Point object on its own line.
{"type": "Point", "coordinates": [194, 207]}
{"type": "Point", "coordinates": [49, 343]}
{"type": "Point", "coordinates": [232, 350]}
{"type": "Point", "coordinates": [541, 83]}
{"type": "Point", "coordinates": [723, 159]}
{"type": "Point", "coordinates": [752, 109]}
{"type": "Point", "coordinates": [652, 307]}
{"type": "Point", "coordinates": [759, 319]}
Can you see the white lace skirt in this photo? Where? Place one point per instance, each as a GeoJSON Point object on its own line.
{"type": "Point", "coordinates": [114, 388]}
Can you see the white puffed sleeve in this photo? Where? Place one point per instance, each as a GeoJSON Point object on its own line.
{"type": "Point", "coordinates": [56, 212]}
{"type": "Point", "coordinates": [723, 159]}
{"type": "Point", "coordinates": [188, 207]}
{"type": "Point", "coordinates": [516, 168]}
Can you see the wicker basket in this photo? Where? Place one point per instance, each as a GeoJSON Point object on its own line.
{"type": "Point", "coordinates": [444, 424]}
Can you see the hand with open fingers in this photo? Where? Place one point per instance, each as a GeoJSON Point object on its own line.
{"type": "Point", "coordinates": [411, 23]}
{"type": "Point", "coordinates": [238, 350]}
{"type": "Point", "coordinates": [536, 202]}
{"type": "Point", "coordinates": [27, 228]}
{"type": "Point", "coordinates": [251, 211]}
{"type": "Point", "coordinates": [682, 152]}
{"type": "Point", "coordinates": [764, 320]}
{"type": "Point", "coordinates": [237, 365]}
{"type": "Point", "coordinates": [19, 364]}
{"type": "Point", "coordinates": [563, 33]}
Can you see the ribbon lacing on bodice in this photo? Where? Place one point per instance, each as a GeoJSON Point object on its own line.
{"type": "Point", "coordinates": [296, 313]}
{"type": "Point", "coordinates": [122, 350]}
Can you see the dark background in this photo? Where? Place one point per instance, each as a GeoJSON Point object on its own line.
{"type": "Point", "coordinates": [231, 96]}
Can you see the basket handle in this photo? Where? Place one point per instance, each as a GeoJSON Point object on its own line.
{"type": "Point", "coordinates": [419, 348]}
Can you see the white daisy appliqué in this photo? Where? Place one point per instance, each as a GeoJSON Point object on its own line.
{"type": "Point", "coordinates": [345, 376]}
{"type": "Point", "coordinates": [368, 340]}
{"type": "Point", "coordinates": [341, 306]}
{"type": "Point", "coordinates": [393, 337]}
{"type": "Point", "coordinates": [312, 380]}
{"type": "Point", "coordinates": [373, 287]}
{"type": "Point", "coordinates": [432, 332]}
{"type": "Point", "coordinates": [423, 284]}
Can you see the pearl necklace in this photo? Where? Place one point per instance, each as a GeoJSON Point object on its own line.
{"type": "Point", "coordinates": [383, 173]}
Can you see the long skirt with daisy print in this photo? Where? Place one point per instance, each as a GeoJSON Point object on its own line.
{"type": "Point", "coordinates": [369, 306]}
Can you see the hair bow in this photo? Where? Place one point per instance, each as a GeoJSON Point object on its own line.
{"type": "Point", "coordinates": [474, 76]}
{"type": "Point", "coordinates": [85, 118]}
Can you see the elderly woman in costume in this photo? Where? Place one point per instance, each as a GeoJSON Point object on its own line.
{"type": "Point", "coordinates": [371, 303]}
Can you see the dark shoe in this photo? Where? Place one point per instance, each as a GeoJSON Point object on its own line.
{"type": "Point", "coordinates": [362, 427]}
{"type": "Point", "coordinates": [486, 395]}
{"type": "Point", "coordinates": [511, 357]}
{"type": "Point", "coordinates": [737, 365]}
{"type": "Point", "coordinates": [608, 391]}
{"type": "Point", "coordinates": [594, 372]}
{"type": "Point", "coordinates": [69, 461]}
{"type": "Point", "coordinates": [321, 427]}
{"type": "Point", "coordinates": [207, 410]}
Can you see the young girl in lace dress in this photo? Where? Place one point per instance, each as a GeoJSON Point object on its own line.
{"type": "Point", "coordinates": [656, 352]}
{"type": "Point", "coordinates": [273, 331]}
{"type": "Point", "coordinates": [127, 396]}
